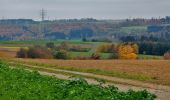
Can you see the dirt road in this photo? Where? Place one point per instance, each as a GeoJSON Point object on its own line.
{"type": "Point", "coordinates": [163, 92]}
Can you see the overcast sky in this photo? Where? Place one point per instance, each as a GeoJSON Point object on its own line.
{"type": "Point", "coordinates": [99, 9]}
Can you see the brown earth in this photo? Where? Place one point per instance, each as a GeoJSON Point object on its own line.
{"type": "Point", "coordinates": [8, 52]}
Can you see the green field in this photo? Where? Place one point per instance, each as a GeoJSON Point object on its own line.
{"type": "Point", "coordinates": [140, 56]}
{"type": "Point", "coordinates": [19, 84]}
{"type": "Point", "coordinates": [40, 42]}
{"type": "Point", "coordinates": [134, 29]}
{"type": "Point", "coordinates": [88, 54]}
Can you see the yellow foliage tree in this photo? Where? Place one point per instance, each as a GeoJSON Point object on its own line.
{"type": "Point", "coordinates": [128, 51]}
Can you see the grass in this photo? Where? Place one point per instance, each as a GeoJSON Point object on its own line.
{"type": "Point", "coordinates": [19, 84]}
{"type": "Point", "coordinates": [35, 42]}
{"type": "Point", "coordinates": [140, 56]}
{"type": "Point", "coordinates": [88, 54]}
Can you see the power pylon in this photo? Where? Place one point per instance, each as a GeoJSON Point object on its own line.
{"type": "Point", "coordinates": [42, 24]}
{"type": "Point", "coordinates": [43, 14]}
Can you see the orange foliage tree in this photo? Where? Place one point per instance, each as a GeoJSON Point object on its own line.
{"type": "Point", "coordinates": [127, 51]}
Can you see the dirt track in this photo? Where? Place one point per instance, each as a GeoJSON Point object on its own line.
{"type": "Point", "coordinates": [159, 70]}
{"type": "Point", "coordinates": [163, 92]}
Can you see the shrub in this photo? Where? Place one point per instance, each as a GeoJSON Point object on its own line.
{"type": "Point", "coordinates": [64, 46]}
{"type": "Point", "coordinates": [113, 56]}
{"type": "Point", "coordinates": [50, 45]}
{"type": "Point", "coordinates": [39, 52]}
{"type": "Point", "coordinates": [61, 54]}
{"type": "Point", "coordinates": [95, 56]}
{"type": "Point", "coordinates": [22, 53]}
{"type": "Point", "coordinates": [167, 55]}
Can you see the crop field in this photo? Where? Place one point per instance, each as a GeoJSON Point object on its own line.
{"type": "Point", "coordinates": [88, 54]}
{"type": "Point", "coordinates": [34, 42]}
{"type": "Point", "coordinates": [154, 71]}
{"type": "Point", "coordinates": [8, 52]}
{"type": "Point", "coordinates": [134, 29]}
{"type": "Point", "coordinates": [19, 84]}
{"type": "Point", "coordinates": [149, 57]}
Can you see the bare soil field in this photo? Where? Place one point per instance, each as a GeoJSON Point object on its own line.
{"type": "Point", "coordinates": [158, 70]}
{"type": "Point", "coordinates": [6, 52]}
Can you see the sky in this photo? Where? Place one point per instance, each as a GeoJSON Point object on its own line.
{"type": "Point", "coordinates": [98, 9]}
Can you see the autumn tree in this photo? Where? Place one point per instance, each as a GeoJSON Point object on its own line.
{"type": "Point", "coordinates": [127, 51]}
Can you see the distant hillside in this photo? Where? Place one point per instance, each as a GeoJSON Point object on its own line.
{"type": "Point", "coordinates": [26, 29]}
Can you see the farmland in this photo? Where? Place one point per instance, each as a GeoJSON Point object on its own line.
{"type": "Point", "coordinates": [84, 50]}
{"type": "Point", "coordinates": [153, 71]}
{"type": "Point", "coordinates": [18, 84]}
{"type": "Point", "coordinates": [147, 68]}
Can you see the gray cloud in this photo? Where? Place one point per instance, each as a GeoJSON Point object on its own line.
{"type": "Point", "coordinates": [100, 9]}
